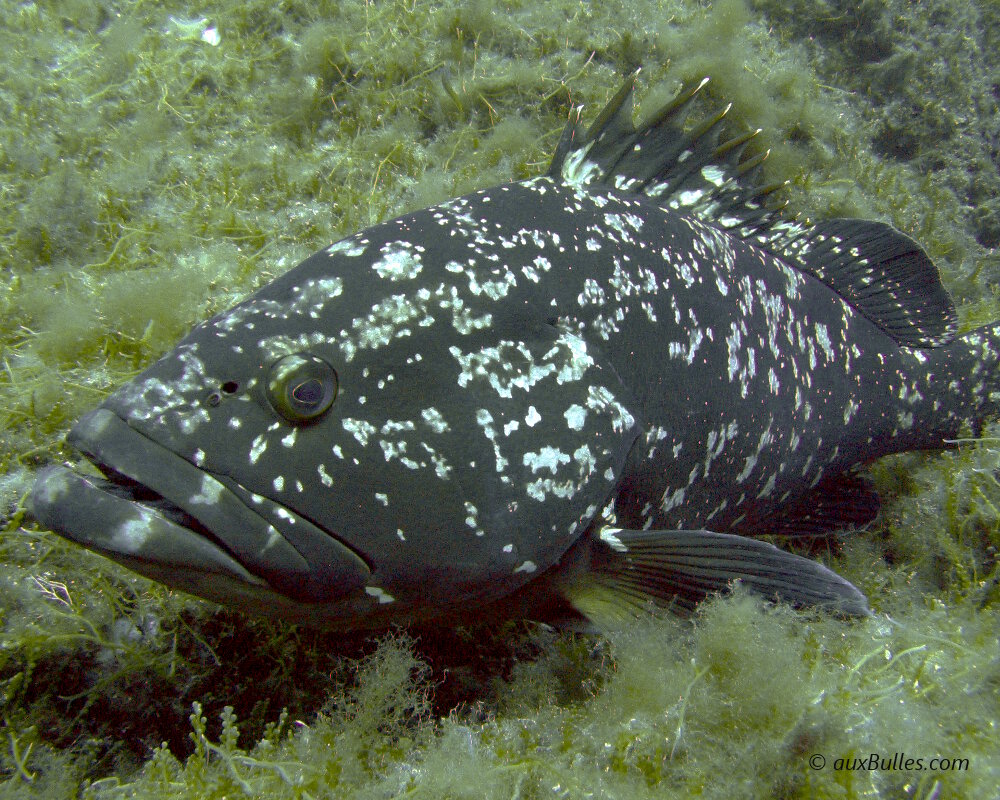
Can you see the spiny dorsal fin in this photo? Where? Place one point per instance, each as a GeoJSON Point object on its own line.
{"type": "Point", "coordinates": [686, 170]}
{"type": "Point", "coordinates": [882, 273]}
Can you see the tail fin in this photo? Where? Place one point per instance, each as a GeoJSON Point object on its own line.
{"type": "Point", "coordinates": [960, 385]}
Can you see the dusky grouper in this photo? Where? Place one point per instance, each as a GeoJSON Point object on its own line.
{"type": "Point", "coordinates": [583, 393]}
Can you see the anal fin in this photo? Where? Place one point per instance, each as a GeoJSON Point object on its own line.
{"type": "Point", "coordinates": [843, 502]}
{"type": "Point", "coordinates": [631, 571]}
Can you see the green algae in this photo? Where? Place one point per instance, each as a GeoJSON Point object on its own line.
{"type": "Point", "coordinates": [739, 704]}
{"type": "Point", "coordinates": [152, 178]}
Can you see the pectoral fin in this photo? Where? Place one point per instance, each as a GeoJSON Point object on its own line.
{"type": "Point", "coordinates": [631, 571]}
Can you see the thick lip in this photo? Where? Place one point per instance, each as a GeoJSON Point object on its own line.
{"type": "Point", "coordinates": [162, 516]}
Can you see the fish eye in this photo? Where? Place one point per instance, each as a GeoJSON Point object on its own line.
{"type": "Point", "coordinates": [301, 387]}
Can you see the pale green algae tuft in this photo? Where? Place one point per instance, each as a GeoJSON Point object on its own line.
{"type": "Point", "coordinates": [161, 161]}
{"type": "Point", "coordinates": [741, 704]}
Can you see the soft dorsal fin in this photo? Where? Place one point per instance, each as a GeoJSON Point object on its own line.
{"type": "Point", "coordinates": [882, 273]}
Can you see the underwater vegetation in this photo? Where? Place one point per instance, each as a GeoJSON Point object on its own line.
{"type": "Point", "coordinates": [161, 161]}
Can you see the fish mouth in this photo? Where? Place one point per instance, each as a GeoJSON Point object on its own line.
{"type": "Point", "coordinates": [164, 517]}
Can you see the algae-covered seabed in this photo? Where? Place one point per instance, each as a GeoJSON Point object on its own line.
{"type": "Point", "coordinates": [161, 160]}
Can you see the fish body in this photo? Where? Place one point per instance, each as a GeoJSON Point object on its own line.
{"type": "Point", "coordinates": [571, 392]}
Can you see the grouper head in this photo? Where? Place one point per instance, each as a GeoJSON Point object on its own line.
{"type": "Point", "coordinates": [388, 431]}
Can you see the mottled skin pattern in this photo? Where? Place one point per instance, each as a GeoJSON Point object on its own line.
{"type": "Point", "coordinates": [514, 367]}
{"type": "Point", "coordinates": [473, 438]}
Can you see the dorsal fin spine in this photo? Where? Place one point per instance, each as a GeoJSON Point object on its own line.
{"type": "Point", "coordinates": [885, 275]}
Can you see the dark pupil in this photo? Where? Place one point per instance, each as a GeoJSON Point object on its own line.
{"type": "Point", "coordinates": [308, 393]}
